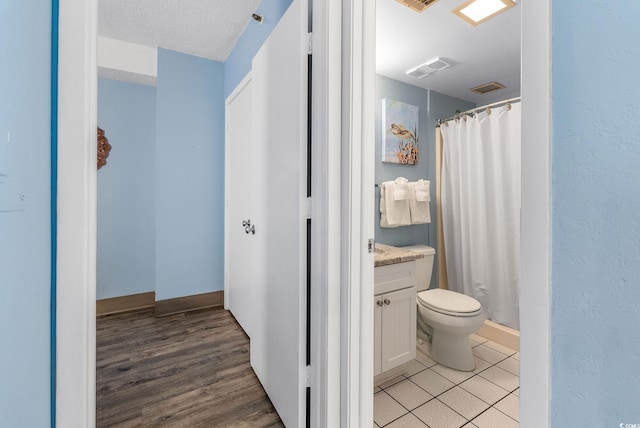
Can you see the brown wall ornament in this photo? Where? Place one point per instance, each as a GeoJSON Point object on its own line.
{"type": "Point", "coordinates": [103, 148]}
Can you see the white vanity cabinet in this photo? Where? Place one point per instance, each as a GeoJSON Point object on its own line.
{"type": "Point", "coordinates": [395, 315]}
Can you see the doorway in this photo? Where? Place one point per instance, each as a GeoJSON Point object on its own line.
{"type": "Point", "coordinates": [77, 194]}
{"type": "Point", "coordinates": [535, 245]}
{"type": "Point", "coordinates": [76, 230]}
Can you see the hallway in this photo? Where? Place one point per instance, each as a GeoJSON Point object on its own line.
{"type": "Point", "coordinates": [184, 370]}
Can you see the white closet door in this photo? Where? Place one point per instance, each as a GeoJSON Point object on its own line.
{"type": "Point", "coordinates": [279, 88]}
{"type": "Point", "coordinates": [240, 249]}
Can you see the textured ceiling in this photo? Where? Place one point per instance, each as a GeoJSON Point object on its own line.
{"type": "Point", "coordinates": [478, 55]}
{"type": "Point", "coordinates": [404, 40]}
{"type": "Point", "coordinates": [205, 28]}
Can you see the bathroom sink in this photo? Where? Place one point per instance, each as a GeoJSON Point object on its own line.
{"type": "Point", "coordinates": [387, 255]}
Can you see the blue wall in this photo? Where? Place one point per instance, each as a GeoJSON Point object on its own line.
{"type": "Point", "coordinates": [238, 63]}
{"type": "Point", "coordinates": [596, 199]}
{"type": "Point", "coordinates": [189, 175]}
{"type": "Point", "coordinates": [126, 190]}
{"type": "Point", "coordinates": [432, 106]}
{"type": "Point", "coordinates": [188, 228]}
{"type": "Point", "coordinates": [596, 214]}
{"type": "Point", "coordinates": [25, 235]}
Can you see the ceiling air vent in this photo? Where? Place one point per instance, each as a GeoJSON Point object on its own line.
{"type": "Point", "coordinates": [428, 68]}
{"type": "Point", "coordinates": [421, 71]}
{"type": "Point", "coordinates": [487, 87]}
{"type": "Point", "coordinates": [437, 64]}
{"type": "Point", "coordinates": [417, 5]}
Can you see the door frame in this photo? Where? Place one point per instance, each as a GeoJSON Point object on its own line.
{"type": "Point", "coordinates": [358, 155]}
{"type": "Point", "coordinates": [76, 225]}
{"type": "Point", "coordinates": [326, 214]}
{"type": "Point", "coordinates": [535, 238]}
{"type": "Point", "coordinates": [77, 196]}
{"type": "Point", "coordinates": [358, 182]}
{"type": "Point", "coordinates": [227, 160]}
{"type": "Point", "coordinates": [348, 278]}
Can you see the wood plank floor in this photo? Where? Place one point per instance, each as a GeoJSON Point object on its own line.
{"type": "Point", "coordinates": [186, 370]}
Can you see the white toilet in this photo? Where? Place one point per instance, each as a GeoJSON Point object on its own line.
{"type": "Point", "coordinates": [450, 316]}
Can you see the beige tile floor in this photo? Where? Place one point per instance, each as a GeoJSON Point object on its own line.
{"type": "Point", "coordinates": [423, 393]}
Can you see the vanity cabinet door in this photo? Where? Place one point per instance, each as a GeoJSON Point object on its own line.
{"type": "Point", "coordinates": [398, 328]}
{"type": "Point", "coordinates": [394, 329]}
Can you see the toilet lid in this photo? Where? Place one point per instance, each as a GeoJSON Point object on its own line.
{"type": "Point", "coordinates": [449, 302]}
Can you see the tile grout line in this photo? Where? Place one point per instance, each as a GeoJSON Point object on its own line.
{"type": "Point", "coordinates": [409, 379]}
{"type": "Point", "coordinates": [493, 407]}
{"type": "Point", "coordinates": [393, 398]}
{"type": "Point", "coordinates": [488, 380]}
{"type": "Point", "coordinates": [455, 384]}
{"type": "Point", "coordinates": [449, 380]}
{"type": "Point", "coordinates": [435, 397]}
{"type": "Point", "coordinates": [454, 410]}
{"type": "Point", "coordinates": [504, 412]}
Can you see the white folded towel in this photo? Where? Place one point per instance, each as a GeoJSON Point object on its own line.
{"type": "Point", "coordinates": [401, 189]}
{"type": "Point", "coordinates": [419, 204]}
{"type": "Point", "coordinates": [422, 190]}
{"type": "Point", "coordinates": [394, 213]}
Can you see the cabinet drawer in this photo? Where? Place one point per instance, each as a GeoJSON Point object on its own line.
{"type": "Point", "coordinates": [394, 277]}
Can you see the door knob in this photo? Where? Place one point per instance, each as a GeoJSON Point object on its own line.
{"type": "Point", "coordinates": [248, 227]}
{"type": "Point", "coordinates": [379, 303]}
{"type": "Point", "coordinates": [387, 302]}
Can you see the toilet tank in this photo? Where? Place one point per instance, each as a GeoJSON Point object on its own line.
{"type": "Point", "coordinates": [424, 266]}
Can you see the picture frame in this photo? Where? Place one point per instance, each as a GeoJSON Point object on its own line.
{"type": "Point", "coordinates": [400, 132]}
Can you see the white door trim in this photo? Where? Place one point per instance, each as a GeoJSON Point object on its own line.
{"type": "Point", "coordinates": [76, 228]}
{"type": "Point", "coordinates": [536, 211]}
{"type": "Point", "coordinates": [325, 213]}
{"type": "Point", "coordinates": [227, 189]}
{"type": "Point", "coordinates": [358, 95]}
{"type": "Point", "coordinates": [535, 239]}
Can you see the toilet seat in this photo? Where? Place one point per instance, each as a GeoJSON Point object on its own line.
{"type": "Point", "coordinates": [449, 303]}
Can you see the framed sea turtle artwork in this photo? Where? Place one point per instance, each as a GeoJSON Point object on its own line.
{"type": "Point", "coordinates": [399, 132]}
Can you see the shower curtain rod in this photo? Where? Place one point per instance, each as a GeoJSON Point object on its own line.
{"type": "Point", "coordinates": [476, 109]}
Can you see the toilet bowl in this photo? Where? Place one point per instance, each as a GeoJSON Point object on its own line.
{"type": "Point", "coordinates": [452, 317]}
{"type": "Point", "coordinates": [447, 317]}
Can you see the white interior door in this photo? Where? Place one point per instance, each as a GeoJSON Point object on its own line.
{"type": "Point", "coordinates": [279, 91]}
{"type": "Point", "coordinates": [240, 248]}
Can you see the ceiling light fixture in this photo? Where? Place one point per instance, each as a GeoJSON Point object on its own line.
{"type": "Point", "coordinates": [477, 11]}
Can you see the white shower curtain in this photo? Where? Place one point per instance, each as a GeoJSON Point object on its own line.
{"type": "Point", "coordinates": [481, 210]}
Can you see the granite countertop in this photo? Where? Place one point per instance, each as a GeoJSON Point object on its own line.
{"type": "Point", "coordinates": [388, 255]}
